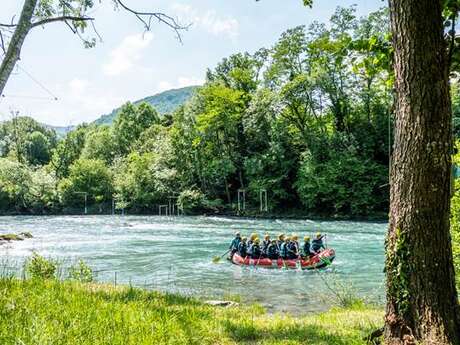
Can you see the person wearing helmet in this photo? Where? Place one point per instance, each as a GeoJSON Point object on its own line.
{"type": "Point", "coordinates": [307, 247]}
{"type": "Point", "coordinates": [317, 244]}
{"type": "Point", "coordinates": [284, 252]}
{"type": "Point", "coordinates": [265, 245]}
{"type": "Point", "coordinates": [280, 240]}
{"type": "Point", "coordinates": [254, 250]}
{"type": "Point", "coordinates": [243, 248]}
{"type": "Point", "coordinates": [272, 251]}
{"type": "Point", "coordinates": [252, 238]}
{"type": "Point", "coordinates": [235, 243]}
{"type": "Point", "coordinates": [293, 248]}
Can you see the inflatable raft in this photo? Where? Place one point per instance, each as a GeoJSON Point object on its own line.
{"type": "Point", "coordinates": [320, 260]}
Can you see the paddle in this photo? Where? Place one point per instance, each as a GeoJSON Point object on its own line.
{"type": "Point", "coordinates": [216, 259]}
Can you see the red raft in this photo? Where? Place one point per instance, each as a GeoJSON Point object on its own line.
{"type": "Point", "coordinates": [320, 260]}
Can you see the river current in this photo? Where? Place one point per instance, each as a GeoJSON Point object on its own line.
{"type": "Point", "coordinates": [175, 254]}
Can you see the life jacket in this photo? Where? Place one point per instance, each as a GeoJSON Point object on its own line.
{"type": "Point", "coordinates": [272, 251]}
{"type": "Point", "coordinates": [292, 250]}
{"type": "Point", "coordinates": [306, 248]}
{"type": "Point", "coordinates": [317, 244]}
{"type": "Point", "coordinates": [243, 249]}
{"type": "Point", "coordinates": [284, 250]}
{"type": "Point", "coordinates": [265, 245]}
{"type": "Point", "coordinates": [255, 251]}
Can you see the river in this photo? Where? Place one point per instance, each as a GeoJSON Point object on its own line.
{"type": "Point", "coordinates": [175, 254]}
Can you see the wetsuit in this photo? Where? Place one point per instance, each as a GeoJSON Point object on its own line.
{"type": "Point", "coordinates": [255, 251]}
{"type": "Point", "coordinates": [272, 252]}
{"type": "Point", "coordinates": [234, 245]}
{"type": "Point", "coordinates": [317, 245]}
{"type": "Point", "coordinates": [265, 245]}
{"type": "Point", "coordinates": [306, 250]}
{"type": "Point", "coordinates": [292, 250]}
{"type": "Point", "coordinates": [243, 249]}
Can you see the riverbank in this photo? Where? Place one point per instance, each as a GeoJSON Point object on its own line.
{"type": "Point", "coordinates": [229, 213]}
{"type": "Point", "coordinates": [51, 312]}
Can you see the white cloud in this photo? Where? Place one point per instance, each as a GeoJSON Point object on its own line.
{"type": "Point", "coordinates": [127, 53]}
{"type": "Point", "coordinates": [210, 21]}
{"type": "Point", "coordinates": [78, 87]}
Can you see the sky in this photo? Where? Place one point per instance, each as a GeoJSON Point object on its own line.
{"type": "Point", "coordinates": [129, 64]}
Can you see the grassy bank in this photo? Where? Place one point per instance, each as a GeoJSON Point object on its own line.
{"type": "Point", "coordinates": [52, 312]}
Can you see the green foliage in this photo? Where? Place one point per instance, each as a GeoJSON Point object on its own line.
{"type": "Point", "coordinates": [344, 183]}
{"type": "Point", "coordinates": [86, 176]}
{"type": "Point", "coordinates": [81, 272]}
{"type": "Point", "coordinates": [194, 201]}
{"type": "Point", "coordinates": [100, 144]}
{"type": "Point", "coordinates": [22, 188]}
{"type": "Point", "coordinates": [39, 267]}
{"type": "Point", "coordinates": [68, 151]}
{"type": "Point", "coordinates": [27, 141]}
{"type": "Point", "coordinates": [307, 120]}
{"type": "Point", "coordinates": [130, 123]}
{"type": "Point", "coordinates": [143, 180]}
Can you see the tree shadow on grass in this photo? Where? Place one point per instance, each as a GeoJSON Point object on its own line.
{"type": "Point", "coordinates": [247, 332]}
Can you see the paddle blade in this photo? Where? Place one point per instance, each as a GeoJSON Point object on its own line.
{"type": "Point", "coordinates": [216, 259]}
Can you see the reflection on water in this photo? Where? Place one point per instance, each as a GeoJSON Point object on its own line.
{"type": "Point", "coordinates": [174, 254]}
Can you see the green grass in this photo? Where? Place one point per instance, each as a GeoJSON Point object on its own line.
{"type": "Point", "coordinates": [52, 312]}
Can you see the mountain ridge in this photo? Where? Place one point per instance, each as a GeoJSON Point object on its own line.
{"type": "Point", "coordinates": [164, 102]}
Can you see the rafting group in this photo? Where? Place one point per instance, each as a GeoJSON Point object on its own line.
{"type": "Point", "coordinates": [284, 251]}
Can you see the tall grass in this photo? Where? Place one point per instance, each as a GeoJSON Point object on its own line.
{"type": "Point", "coordinates": [37, 311]}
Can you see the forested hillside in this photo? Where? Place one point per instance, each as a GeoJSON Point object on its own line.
{"type": "Point", "coordinates": [164, 102]}
{"type": "Point", "coordinates": [308, 120]}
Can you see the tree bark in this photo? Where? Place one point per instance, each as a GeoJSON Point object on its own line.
{"type": "Point", "coordinates": [13, 52]}
{"type": "Point", "coordinates": [422, 303]}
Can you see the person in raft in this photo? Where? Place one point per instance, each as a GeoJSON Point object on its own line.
{"type": "Point", "coordinates": [272, 251]}
{"type": "Point", "coordinates": [235, 243]}
{"type": "Point", "coordinates": [266, 242]}
{"type": "Point", "coordinates": [293, 248]}
{"type": "Point", "coordinates": [317, 244]}
{"type": "Point", "coordinates": [280, 241]}
{"type": "Point", "coordinates": [252, 238]}
{"type": "Point", "coordinates": [243, 248]}
{"type": "Point", "coordinates": [307, 253]}
{"type": "Point", "coordinates": [255, 250]}
{"type": "Point", "coordinates": [284, 251]}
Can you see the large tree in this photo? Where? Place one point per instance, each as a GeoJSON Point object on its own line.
{"type": "Point", "coordinates": [422, 302]}
{"type": "Point", "coordinates": [73, 13]}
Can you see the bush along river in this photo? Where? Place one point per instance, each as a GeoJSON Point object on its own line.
{"type": "Point", "coordinates": [175, 254]}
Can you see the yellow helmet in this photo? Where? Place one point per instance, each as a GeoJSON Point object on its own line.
{"type": "Point", "coordinates": [266, 237]}
{"type": "Point", "coordinates": [295, 237]}
{"type": "Point", "coordinates": [318, 234]}
{"type": "Point", "coordinates": [287, 239]}
{"type": "Point", "coordinates": [256, 241]}
{"type": "Point", "coordinates": [253, 236]}
{"type": "Point", "coordinates": [244, 238]}
{"type": "Point", "coordinates": [281, 236]}
{"type": "Point", "coordinates": [306, 238]}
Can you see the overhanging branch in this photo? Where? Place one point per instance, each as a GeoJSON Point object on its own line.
{"type": "Point", "coordinates": [61, 19]}
{"type": "Point", "coordinates": [146, 19]}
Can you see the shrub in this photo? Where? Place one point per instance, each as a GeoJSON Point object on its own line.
{"type": "Point", "coordinates": [81, 272]}
{"type": "Point", "coordinates": [39, 267]}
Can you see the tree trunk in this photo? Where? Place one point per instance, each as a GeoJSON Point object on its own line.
{"type": "Point", "coordinates": [422, 304]}
{"type": "Point", "coordinates": [13, 52]}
